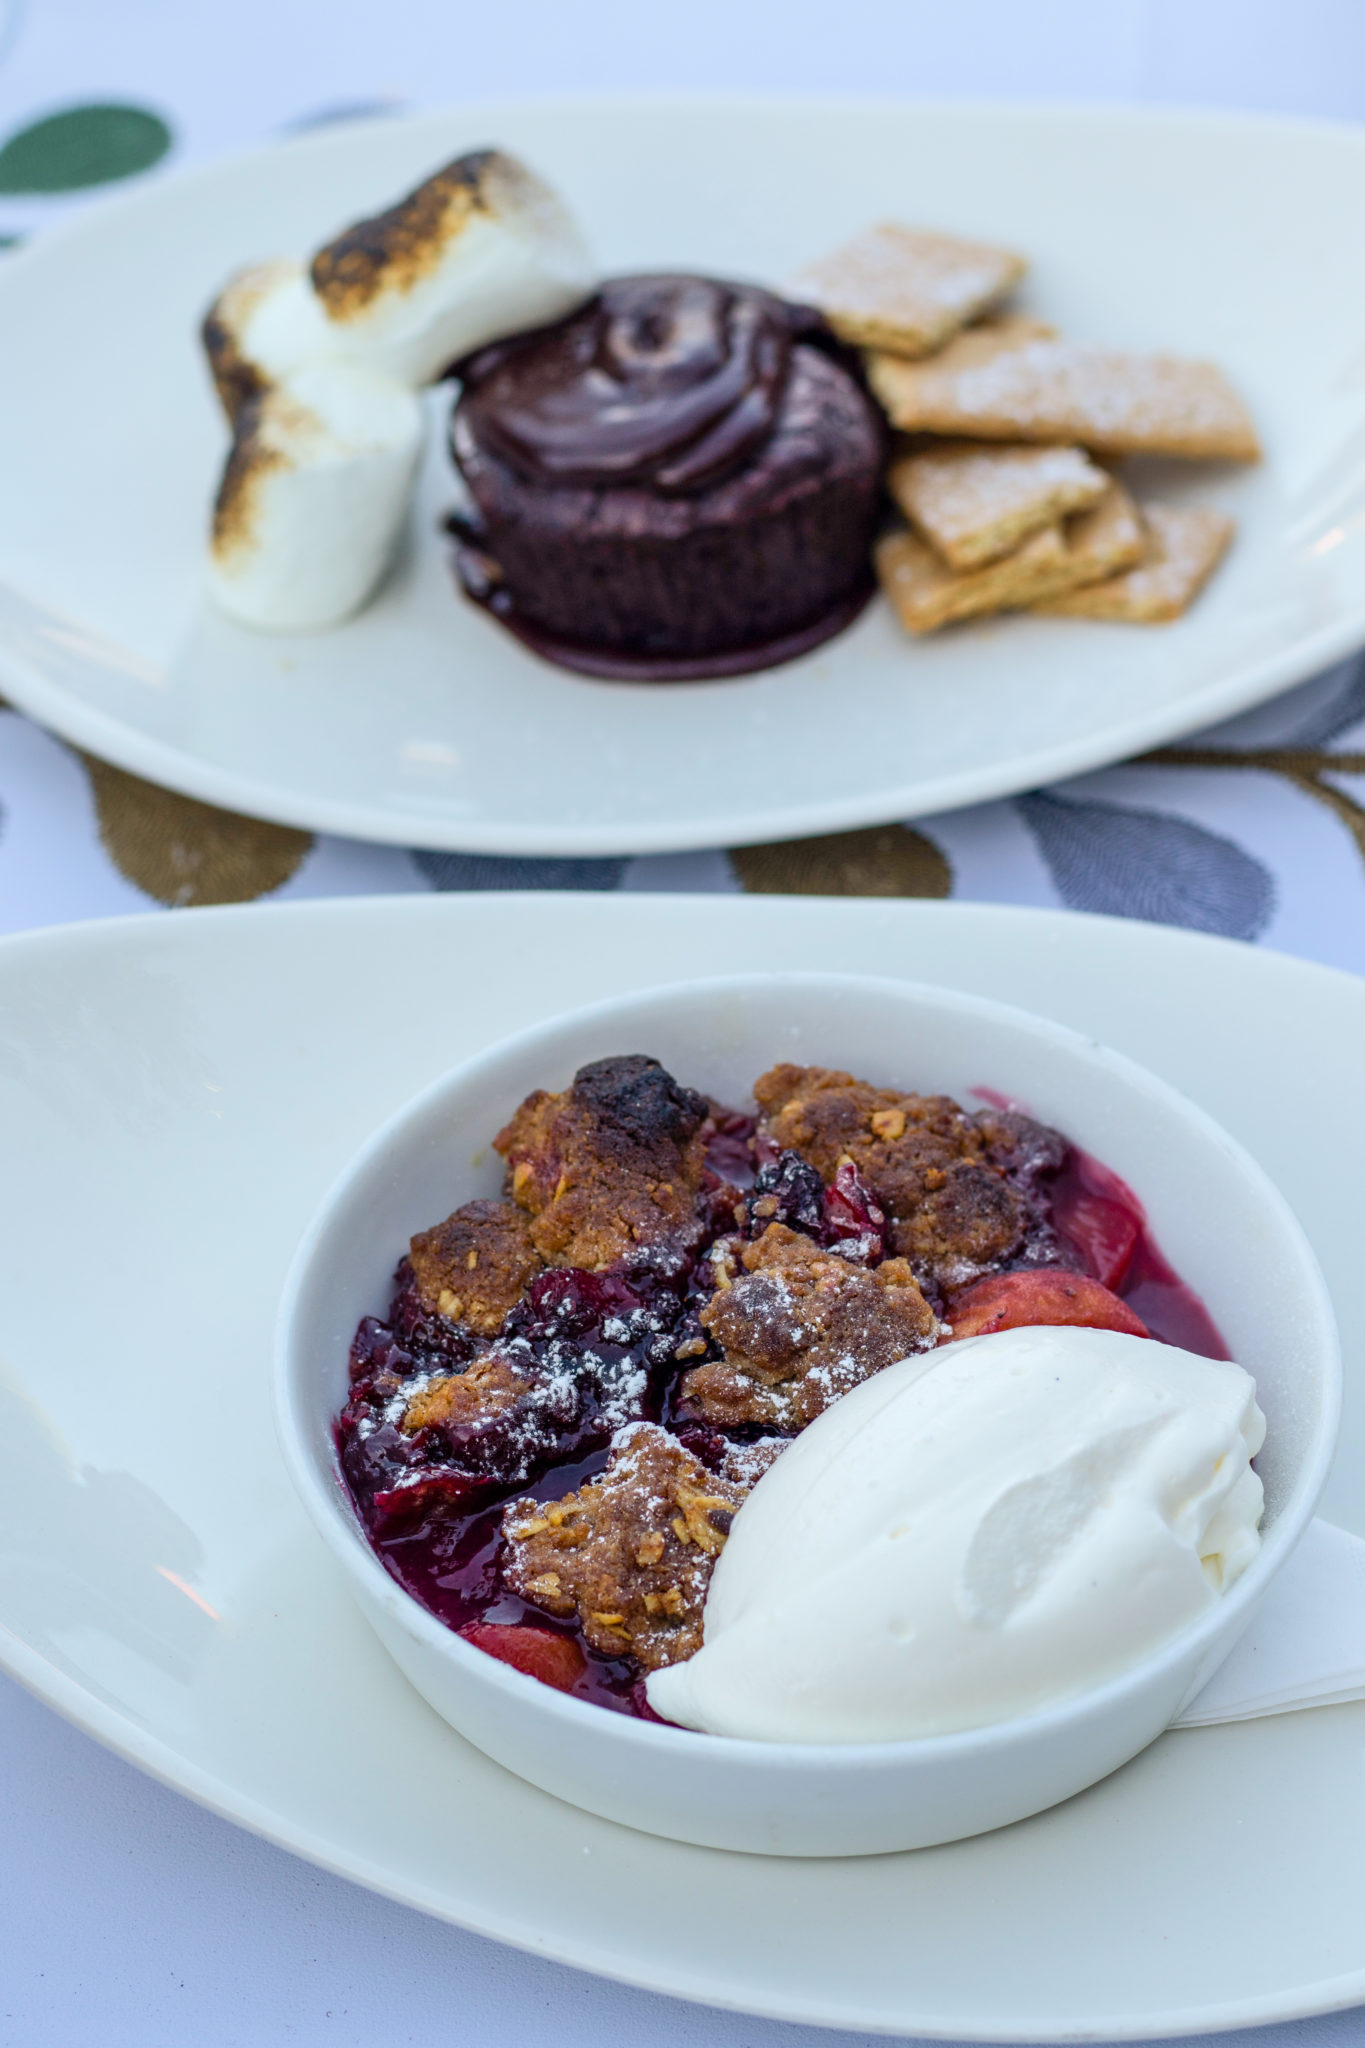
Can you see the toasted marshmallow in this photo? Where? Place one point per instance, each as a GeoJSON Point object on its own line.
{"type": "Point", "coordinates": [317, 370]}
{"type": "Point", "coordinates": [481, 250]}
{"type": "Point", "coordinates": [314, 496]}
{"type": "Point", "coordinates": [265, 324]}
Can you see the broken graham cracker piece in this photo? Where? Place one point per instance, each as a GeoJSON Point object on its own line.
{"type": "Point", "coordinates": [928, 594]}
{"type": "Point", "coordinates": [976, 501]}
{"type": "Point", "coordinates": [906, 289]}
{"type": "Point", "coordinates": [1185, 545]}
{"type": "Point", "coordinates": [1000, 383]}
{"type": "Point", "coordinates": [1110, 536]}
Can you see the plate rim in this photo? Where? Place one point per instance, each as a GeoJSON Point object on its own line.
{"type": "Point", "coordinates": [159, 1758]}
{"type": "Point", "coordinates": [112, 738]}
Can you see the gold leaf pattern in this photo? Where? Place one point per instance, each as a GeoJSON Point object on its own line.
{"type": "Point", "coordinates": [887, 860]}
{"type": "Point", "coordinates": [185, 853]}
{"type": "Point", "coordinates": [1307, 768]}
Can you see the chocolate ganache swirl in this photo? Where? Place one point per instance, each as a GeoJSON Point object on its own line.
{"type": "Point", "coordinates": [670, 382]}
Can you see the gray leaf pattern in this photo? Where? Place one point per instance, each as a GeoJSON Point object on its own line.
{"type": "Point", "coordinates": [495, 871]}
{"type": "Point", "coordinates": [1149, 864]}
{"type": "Point", "coordinates": [344, 110]}
{"type": "Point", "coordinates": [1334, 714]}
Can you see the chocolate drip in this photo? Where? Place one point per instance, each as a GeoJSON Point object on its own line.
{"type": "Point", "coordinates": [673, 383]}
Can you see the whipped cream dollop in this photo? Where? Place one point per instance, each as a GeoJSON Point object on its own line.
{"type": "Point", "coordinates": [973, 1534]}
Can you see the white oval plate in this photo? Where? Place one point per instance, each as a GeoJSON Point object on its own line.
{"type": "Point", "coordinates": [423, 723]}
{"type": "Point", "coordinates": [177, 1093]}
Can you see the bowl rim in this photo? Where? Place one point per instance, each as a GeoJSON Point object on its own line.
{"type": "Point", "coordinates": [333, 1514]}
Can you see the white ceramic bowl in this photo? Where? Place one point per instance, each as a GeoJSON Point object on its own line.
{"type": "Point", "coordinates": [1214, 1213]}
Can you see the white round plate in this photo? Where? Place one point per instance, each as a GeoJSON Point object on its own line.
{"type": "Point", "coordinates": [423, 723]}
{"type": "Point", "coordinates": [175, 1096]}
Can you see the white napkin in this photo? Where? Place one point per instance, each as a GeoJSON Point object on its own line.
{"type": "Point", "coordinates": [1305, 1646]}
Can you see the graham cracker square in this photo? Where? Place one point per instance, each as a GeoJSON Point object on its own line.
{"type": "Point", "coordinates": [999, 382]}
{"type": "Point", "coordinates": [975, 501]}
{"type": "Point", "coordinates": [906, 290]}
{"type": "Point", "coordinates": [1112, 535]}
{"type": "Point", "coordinates": [1185, 544]}
{"type": "Point", "coordinates": [927, 593]}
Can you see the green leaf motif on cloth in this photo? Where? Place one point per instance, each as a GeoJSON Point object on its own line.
{"type": "Point", "coordinates": [81, 146]}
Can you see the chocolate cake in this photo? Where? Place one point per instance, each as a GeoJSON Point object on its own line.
{"type": "Point", "coordinates": [682, 479]}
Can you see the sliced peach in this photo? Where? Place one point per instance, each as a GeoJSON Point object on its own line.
{"type": "Point", "coordinates": [1044, 1294]}
{"type": "Point", "coordinates": [539, 1652]}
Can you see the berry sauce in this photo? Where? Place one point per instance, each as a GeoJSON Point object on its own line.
{"type": "Point", "coordinates": [1104, 1231]}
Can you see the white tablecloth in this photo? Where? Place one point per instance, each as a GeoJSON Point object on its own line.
{"type": "Point", "coordinates": [128, 1916]}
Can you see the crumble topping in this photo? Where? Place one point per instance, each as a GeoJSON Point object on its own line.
{"type": "Point", "coordinates": [476, 1265]}
{"type": "Point", "coordinates": [630, 1555]}
{"type": "Point", "coordinates": [449, 1400]}
{"type": "Point", "coordinates": [799, 1327]}
{"type": "Point", "coordinates": [611, 1167]}
{"type": "Point", "coordinates": [941, 1174]}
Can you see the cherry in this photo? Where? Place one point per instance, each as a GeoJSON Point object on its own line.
{"type": "Point", "coordinates": [442, 1492]}
{"type": "Point", "coordinates": [1106, 1233]}
{"type": "Point", "coordinates": [707, 1445]}
{"type": "Point", "coordinates": [568, 1302]}
{"type": "Point", "coordinates": [729, 1140]}
{"type": "Point", "coordinates": [1042, 1295]}
{"type": "Point", "coordinates": [554, 1660]}
{"type": "Point", "coordinates": [851, 1211]}
{"type": "Point", "coordinates": [785, 1190]}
